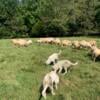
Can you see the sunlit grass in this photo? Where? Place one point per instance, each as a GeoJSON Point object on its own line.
{"type": "Point", "coordinates": [22, 70]}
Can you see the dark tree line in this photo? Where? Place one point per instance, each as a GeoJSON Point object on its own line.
{"type": "Point", "coordinates": [30, 18]}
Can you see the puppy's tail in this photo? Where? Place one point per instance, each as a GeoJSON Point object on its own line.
{"type": "Point", "coordinates": [73, 64]}
{"type": "Point", "coordinates": [59, 53]}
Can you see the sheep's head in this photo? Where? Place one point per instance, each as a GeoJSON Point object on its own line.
{"type": "Point", "coordinates": [29, 42]}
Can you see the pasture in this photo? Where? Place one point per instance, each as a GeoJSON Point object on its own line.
{"type": "Point", "coordinates": [22, 70]}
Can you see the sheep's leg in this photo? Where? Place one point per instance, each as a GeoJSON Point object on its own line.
{"type": "Point", "coordinates": [94, 58]}
{"type": "Point", "coordinates": [44, 91]}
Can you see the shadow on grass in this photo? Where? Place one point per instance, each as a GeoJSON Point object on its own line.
{"type": "Point", "coordinates": [90, 56]}
{"type": "Point", "coordinates": [59, 97]}
{"type": "Point", "coordinates": [28, 70]}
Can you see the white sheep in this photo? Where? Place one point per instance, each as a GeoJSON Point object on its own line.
{"type": "Point", "coordinates": [85, 44]}
{"type": "Point", "coordinates": [46, 40]}
{"type": "Point", "coordinates": [57, 41]}
{"type": "Point", "coordinates": [66, 43]}
{"type": "Point", "coordinates": [29, 42]}
{"type": "Point", "coordinates": [92, 42]}
{"type": "Point", "coordinates": [52, 59]}
{"type": "Point", "coordinates": [21, 42]}
{"type": "Point", "coordinates": [95, 52]}
{"type": "Point", "coordinates": [76, 44]}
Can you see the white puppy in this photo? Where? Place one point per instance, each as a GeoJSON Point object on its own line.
{"type": "Point", "coordinates": [52, 59]}
{"type": "Point", "coordinates": [63, 64]}
{"type": "Point", "coordinates": [50, 81]}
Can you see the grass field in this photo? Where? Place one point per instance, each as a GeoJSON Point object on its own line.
{"type": "Point", "coordinates": [22, 70]}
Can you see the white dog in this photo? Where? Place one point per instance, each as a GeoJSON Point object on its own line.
{"type": "Point", "coordinates": [50, 81]}
{"type": "Point", "coordinates": [52, 59]}
{"type": "Point", "coordinates": [63, 64]}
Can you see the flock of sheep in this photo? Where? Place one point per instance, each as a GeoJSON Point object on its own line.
{"type": "Point", "coordinates": [51, 79]}
{"type": "Point", "coordinates": [91, 45]}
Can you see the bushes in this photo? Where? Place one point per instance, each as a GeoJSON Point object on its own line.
{"type": "Point", "coordinates": [34, 18]}
{"type": "Point", "coordinates": [37, 29]}
{"type": "Point", "coordinates": [5, 33]}
{"type": "Point", "coordinates": [47, 29]}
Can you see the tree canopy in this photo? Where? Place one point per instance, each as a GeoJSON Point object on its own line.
{"type": "Point", "coordinates": [30, 18]}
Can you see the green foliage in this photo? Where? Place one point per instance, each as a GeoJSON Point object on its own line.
{"type": "Point", "coordinates": [37, 29]}
{"type": "Point", "coordinates": [56, 17]}
{"type": "Point", "coordinates": [97, 16]}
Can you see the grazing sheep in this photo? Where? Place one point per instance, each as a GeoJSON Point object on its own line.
{"type": "Point", "coordinates": [63, 64]}
{"type": "Point", "coordinates": [21, 42]}
{"type": "Point", "coordinates": [15, 41]}
{"type": "Point", "coordinates": [40, 40]}
{"type": "Point", "coordinates": [29, 42]}
{"type": "Point", "coordinates": [66, 43]}
{"type": "Point", "coordinates": [85, 44]}
{"type": "Point", "coordinates": [50, 81]}
{"type": "Point", "coordinates": [52, 59]}
{"type": "Point", "coordinates": [76, 44]}
{"type": "Point", "coordinates": [57, 41]}
{"type": "Point", "coordinates": [50, 40]}
{"type": "Point", "coordinates": [92, 42]}
{"type": "Point", "coordinates": [45, 40]}
{"type": "Point", "coordinates": [95, 52]}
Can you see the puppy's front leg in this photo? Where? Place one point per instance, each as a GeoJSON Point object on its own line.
{"type": "Point", "coordinates": [60, 69]}
{"type": "Point", "coordinates": [56, 86]}
{"type": "Point", "coordinates": [44, 91]}
{"type": "Point", "coordinates": [52, 90]}
{"type": "Point", "coordinates": [65, 71]}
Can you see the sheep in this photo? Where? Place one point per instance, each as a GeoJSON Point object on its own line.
{"type": "Point", "coordinates": [52, 59]}
{"type": "Point", "coordinates": [95, 52]}
{"type": "Point", "coordinates": [50, 81]}
{"type": "Point", "coordinates": [40, 40]}
{"type": "Point", "coordinates": [57, 41]}
{"type": "Point", "coordinates": [85, 44]}
{"type": "Point", "coordinates": [92, 42]}
{"type": "Point", "coordinates": [15, 41]}
{"type": "Point", "coordinates": [66, 43]}
{"type": "Point", "coordinates": [21, 42]}
{"type": "Point", "coordinates": [50, 40]}
{"type": "Point", "coordinates": [29, 42]}
{"type": "Point", "coordinates": [76, 44]}
{"type": "Point", "coordinates": [63, 64]}
{"type": "Point", "coordinates": [46, 40]}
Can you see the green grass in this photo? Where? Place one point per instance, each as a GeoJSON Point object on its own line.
{"type": "Point", "coordinates": [22, 70]}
